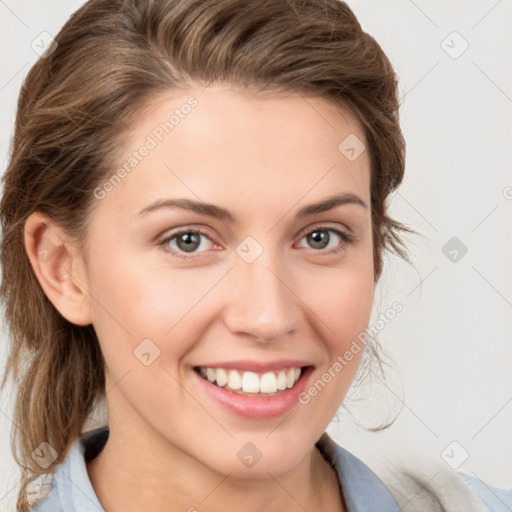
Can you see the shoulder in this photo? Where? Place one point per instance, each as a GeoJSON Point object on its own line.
{"type": "Point", "coordinates": [71, 488]}
{"type": "Point", "coordinates": [495, 498]}
{"type": "Point", "coordinates": [416, 487]}
{"type": "Point", "coordinates": [362, 489]}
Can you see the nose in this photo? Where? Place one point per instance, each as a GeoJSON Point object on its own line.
{"type": "Point", "coordinates": [261, 303]}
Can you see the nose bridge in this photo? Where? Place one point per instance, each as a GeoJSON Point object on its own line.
{"type": "Point", "coordinates": [261, 303]}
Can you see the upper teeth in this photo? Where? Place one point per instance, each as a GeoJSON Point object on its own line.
{"type": "Point", "coordinates": [251, 382]}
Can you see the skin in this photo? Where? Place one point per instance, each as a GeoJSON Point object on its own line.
{"type": "Point", "coordinates": [262, 158]}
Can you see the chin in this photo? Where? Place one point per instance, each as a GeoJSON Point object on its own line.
{"type": "Point", "coordinates": [256, 457]}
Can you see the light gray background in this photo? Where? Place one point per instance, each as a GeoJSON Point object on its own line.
{"type": "Point", "coordinates": [452, 342]}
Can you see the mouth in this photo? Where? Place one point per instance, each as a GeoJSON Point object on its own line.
{"type": "Point", "coordinates": [255, 390]}
{"type": "Point", "coordinates": [250, 383]}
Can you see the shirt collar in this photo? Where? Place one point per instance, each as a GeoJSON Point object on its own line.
{"type": "Point", "coordinates": [362, 490]}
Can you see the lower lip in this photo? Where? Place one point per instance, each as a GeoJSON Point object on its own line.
{"type": "Point", "coordinates": [257, 407]}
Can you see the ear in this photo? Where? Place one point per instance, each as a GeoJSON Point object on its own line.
{"type": "Point", "coordinates": [59, 268]}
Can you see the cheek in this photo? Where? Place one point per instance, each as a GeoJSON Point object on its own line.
{"type": "Point", "coordinates": [137, 300]}
{"type": "Point", "coordinates": [343, 306]}
{"type": "Point", "coordinates": [347, 316]}
{"type": "Point", "coordinates": [353, 305]}
{"type": "Point", "coordinates": [342, 299]}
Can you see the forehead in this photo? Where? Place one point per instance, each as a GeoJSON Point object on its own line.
{"type": "Point", "coordinates": [259, 151]}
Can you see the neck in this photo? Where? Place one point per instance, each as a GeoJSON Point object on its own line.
{"type": "Point", "coordinates": [171, 479]}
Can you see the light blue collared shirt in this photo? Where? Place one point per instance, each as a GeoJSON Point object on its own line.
{"type": "Point", "coordinates": [362, 490]}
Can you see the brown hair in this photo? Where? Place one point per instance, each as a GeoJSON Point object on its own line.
{"type": "Point", "coordinates": [110, 57]}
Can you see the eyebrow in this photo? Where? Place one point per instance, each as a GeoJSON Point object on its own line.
{"type": "Point", "coordinates": [218, 212]}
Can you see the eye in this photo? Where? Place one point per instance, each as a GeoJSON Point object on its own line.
{"type": "Point", "coordinates": [186, 241]}
{"type": "Point", "coordinates": [320, 238]}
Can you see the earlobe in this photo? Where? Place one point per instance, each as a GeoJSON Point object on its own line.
{"type": "Point", "coordinates": [59, 268]}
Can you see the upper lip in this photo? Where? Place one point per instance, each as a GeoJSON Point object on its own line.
{"type": "Point", "coordinates": [257, 366]}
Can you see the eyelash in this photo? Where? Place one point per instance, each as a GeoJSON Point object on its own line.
{"type": "Point", "coordinates": [346, 239]}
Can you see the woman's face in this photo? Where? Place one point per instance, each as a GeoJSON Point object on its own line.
{"type": "Point", "coordinates": [258, 283]}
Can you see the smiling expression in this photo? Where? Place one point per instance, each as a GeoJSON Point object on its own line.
{"type": "Point", "coordinates": [209, 265]}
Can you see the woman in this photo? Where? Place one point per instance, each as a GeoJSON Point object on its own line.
{"type": "Point", "coordinates": [194, 222]}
